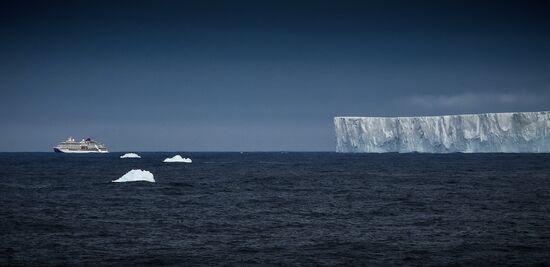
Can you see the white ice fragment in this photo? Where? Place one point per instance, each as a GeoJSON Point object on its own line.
{"type": "Point", "coordinates": [130, 155]}
{"type": "Point", "coordinates": [136, 175]}
{"type": "Point", "coordinates": [178, 158]}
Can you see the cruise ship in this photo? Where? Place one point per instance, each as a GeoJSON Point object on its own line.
{"type": "Point", "coordinates": [85, 146]}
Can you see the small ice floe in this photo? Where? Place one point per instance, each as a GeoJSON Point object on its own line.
{"type": "Point", "coordinates": [178, 158]}
{"type": "Point", "coordinates": [130, 156]}
{"type": "Point", "coordinates": [135, 176]}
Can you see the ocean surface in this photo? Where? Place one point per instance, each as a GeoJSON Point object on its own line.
{"type": "Point", "coordinates": [262, 209]}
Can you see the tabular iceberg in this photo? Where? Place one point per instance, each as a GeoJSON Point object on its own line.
{"type": "Point", "coordinates": [474, 133]}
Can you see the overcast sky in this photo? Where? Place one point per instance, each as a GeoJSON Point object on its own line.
{"type": "Point", "coordinates": [258, 75]}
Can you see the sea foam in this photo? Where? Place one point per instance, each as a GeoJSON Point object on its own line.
{"type": "Point", "coordinates": [136, 175]}
{"type": "Point", "coordinates": [178, 158]}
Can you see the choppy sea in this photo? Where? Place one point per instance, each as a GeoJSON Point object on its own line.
{"type": "Point", "coordinates": [264, 209]}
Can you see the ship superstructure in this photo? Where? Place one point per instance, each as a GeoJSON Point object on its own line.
{"type": "Point", "coordinates": [84, 146]}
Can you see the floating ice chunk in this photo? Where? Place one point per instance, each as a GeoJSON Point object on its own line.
{"type": "Point", "coordinates": [136, 175]}
{"type": "Point", "coordinates": [178, 158]}
{"type": "Point", "coordinates": [130, 155]}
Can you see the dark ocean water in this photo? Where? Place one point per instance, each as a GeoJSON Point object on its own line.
{"type": "Point", "coordinates": [276, 209]}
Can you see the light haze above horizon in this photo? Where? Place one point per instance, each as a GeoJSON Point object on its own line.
{"type": "Point", "coordinates": [258, 75]}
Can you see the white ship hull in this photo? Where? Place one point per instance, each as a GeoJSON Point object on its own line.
{"type": "Point", "coordinates": [61, 150]}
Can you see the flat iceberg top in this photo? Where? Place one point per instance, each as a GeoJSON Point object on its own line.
{"type": "Point", "coordinates": [130, 155]}
{"type": "Point", "coordinates": [135, 176]}
{"type": "Point", "coordinates": [446, 116]}
{"type": "Point", "coordinates": [178, 158]}
{"type": "Point", "coordinates": [487, 132]}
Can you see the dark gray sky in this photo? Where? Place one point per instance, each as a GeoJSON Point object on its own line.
{"type": "Point", "coordinates": [258, 75]}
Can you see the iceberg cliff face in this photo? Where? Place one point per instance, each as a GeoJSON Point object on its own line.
{"type": "Point", "coordinates": [490, 132]}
